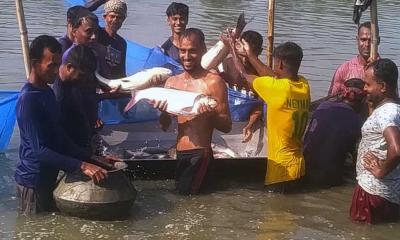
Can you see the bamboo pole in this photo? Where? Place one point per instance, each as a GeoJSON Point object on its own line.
{"type": "Point", "coordinates": [24, 34]}
{"type": "Point", "coordinates": [271, 20]}
{"type": "Point", "coordinates": [374, 30]}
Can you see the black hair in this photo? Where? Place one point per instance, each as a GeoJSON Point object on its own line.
{"type": "Point", "coordinates": [72, 12]}
{"type": "Point", "coordinates": [83, 14]}
{"type": "Point", "coordinates": [385, 70]}
{"type": "Point", "coordinates": [255, 41]}
{"type": "Point", "coordinates": [354, 83]}
{"type": "Point", "coordinates": [81, 57]}
{"type": "Point", "coordinates": [291, 54]}
{"type": "Point", "coordinates": [194, 32]}
{"type": "Point", "coordinates": [364, 25]}
{"type": "Point", "coordinates": [39, 44]}
{"type": "Point", "coordinates": [177, 8]}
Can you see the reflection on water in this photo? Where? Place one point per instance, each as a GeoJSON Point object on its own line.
{"type": "Point", "coordinates": [240, 210]}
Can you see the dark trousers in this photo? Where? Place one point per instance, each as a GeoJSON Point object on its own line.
{"type": "Point", "coordinates": [192, 166]}
{"type": "Point", "coordinates": [32, 201]}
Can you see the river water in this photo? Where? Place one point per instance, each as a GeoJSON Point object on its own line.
{"type": "Point", "coordinates": [240, 210]}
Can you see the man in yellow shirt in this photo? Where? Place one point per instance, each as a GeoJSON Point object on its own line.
{"type": "Point", "coordinates": [287, 96]}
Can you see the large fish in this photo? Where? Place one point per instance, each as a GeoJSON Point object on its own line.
{"type": "Point", "coordinates": [179, 102]}
{"type": "Point", "coordinates": [138, 80]}
{"type": "Point", "coordinates": [213, 57]}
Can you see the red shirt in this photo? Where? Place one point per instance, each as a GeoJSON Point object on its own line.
{"type": "Point", "coordinates": [354, 68]}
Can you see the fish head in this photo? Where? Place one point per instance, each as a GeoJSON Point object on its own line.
{"type": "Point", "coordinates": [206, 100]}
{"type": "Point", "coordinates": [211, 102]}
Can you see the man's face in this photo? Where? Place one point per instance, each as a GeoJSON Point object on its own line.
{"type": "Point", "coordinates": [364, 42]}
{"type": "Point", "coordinates": [177, 23]}
{"type": "Point", "coordinates": [47, 67]}
{"type": "Point", "coordinates": [373, 87]}
{"type": "Point", "coordinates": [241, 52]}
{"type": "Point", "coordinates": [114, 21]}
{"type": "Point", "coordinates": [86, 33]}
{"type": "Point", "coordinates": [190, 52]}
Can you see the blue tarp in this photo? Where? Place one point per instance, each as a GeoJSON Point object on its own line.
{"type": "Point", "coordinates": [8, 100]}
{"type": "Point", "coordinates": [240, 105]}
{"type": "Point", "coordinates": [111, 111]}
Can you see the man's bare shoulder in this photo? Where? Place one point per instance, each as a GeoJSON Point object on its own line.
{"type": "Point", "coordinates": [214, 79]}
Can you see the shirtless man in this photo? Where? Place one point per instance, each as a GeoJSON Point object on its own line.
{"type": "Point", "coordinates": [195, 133]}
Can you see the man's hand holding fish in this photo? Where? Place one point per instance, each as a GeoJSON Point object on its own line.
{"type": "Point", "coordinates": [165, 118]}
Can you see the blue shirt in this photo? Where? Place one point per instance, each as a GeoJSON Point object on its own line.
{"type": "Point", "coordinates": [65, 43]}
{"type": "Point", "coordinates": [171, 50]}
{"type": "Point", "coordinates": [44, 147]}
{"type": "Point", "coordinates": [332, 133]}
{"type": "Point", "coordinates": [111, 55]}
{"type": "Point", "coordinates": [79, 107]}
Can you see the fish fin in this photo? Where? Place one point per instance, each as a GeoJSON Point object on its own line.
{"type": "Point", "coordinates": [132, 102]}
{"type": "Point", "coordinates": [240, 24]}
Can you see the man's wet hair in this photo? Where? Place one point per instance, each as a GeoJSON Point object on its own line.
{"type": "Point", "coordinates": [41, 43]}
{"type": "Point", "coordinates": [255, 41]}
{"type": "Point", "coordinates": [291, 54]}
{"type": "Point", "coordinates": [354, 83]}
{"type": "Point", "coordinates": [354, 90]}
{"type": "Point", "coordinates": [72, 12]}
{"type": "Point", "coordinates": [364, 25]}
{"type": "Point", "coordinates": [194, 32]}
{"type": "Point", "coordinates": [81, 15]}
{"type": "Point", "coordinates": [385, 70]}
{"type": "Point", "coordinates": [177, 9]}
{"type": "Point", "coordinates": [80, 57]}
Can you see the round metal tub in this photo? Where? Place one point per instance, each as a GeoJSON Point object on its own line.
{"type": "Point", "coordinates": [78, 195]}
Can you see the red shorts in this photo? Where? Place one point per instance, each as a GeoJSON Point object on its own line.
{"type": "Point", "coordinates": [372, 209]}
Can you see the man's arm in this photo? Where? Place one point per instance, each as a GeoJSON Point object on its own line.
{"type": "Point", "coordinates": [31, 125]}
{"type": "Point", "coordinates": [336, 82]}
{"type": "Point", "coordinates": [255, 62]}
{"type": "Point", "coordinates": [380, 168]}
{"type": "Point", "coordinates": [222, 118]}
{"type": "Point", "coordinates": [165, 118]}
{"type": "Point", "coordinates": [94, 4]}
{"type": "Point", "coordinates": [248, 130]}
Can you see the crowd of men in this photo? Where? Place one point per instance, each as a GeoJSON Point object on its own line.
{"type": "Point", "coordinates": [57, 111]}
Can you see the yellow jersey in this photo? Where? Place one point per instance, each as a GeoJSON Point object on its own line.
{"type": "Point", "coordinates": [287, 113]}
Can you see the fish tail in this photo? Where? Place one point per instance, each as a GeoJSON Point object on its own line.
{"type": "Point", "coordinates": [132, 102]}
{"type": "Point", "coordinates": [102, 79]}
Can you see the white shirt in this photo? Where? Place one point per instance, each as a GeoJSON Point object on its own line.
{"type": "Point", "coordinates": [388, 187]}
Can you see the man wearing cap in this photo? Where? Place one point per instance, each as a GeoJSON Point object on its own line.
{"type": "Point", "coordinates": [112, 47]}
{"type": "Point", "coordinates": [332, 134]}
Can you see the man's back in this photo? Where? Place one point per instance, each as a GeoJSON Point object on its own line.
{"type": "Point", "coordinates": [331, 134]}
{"type": "Point", "coordinates": [287, 113]}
